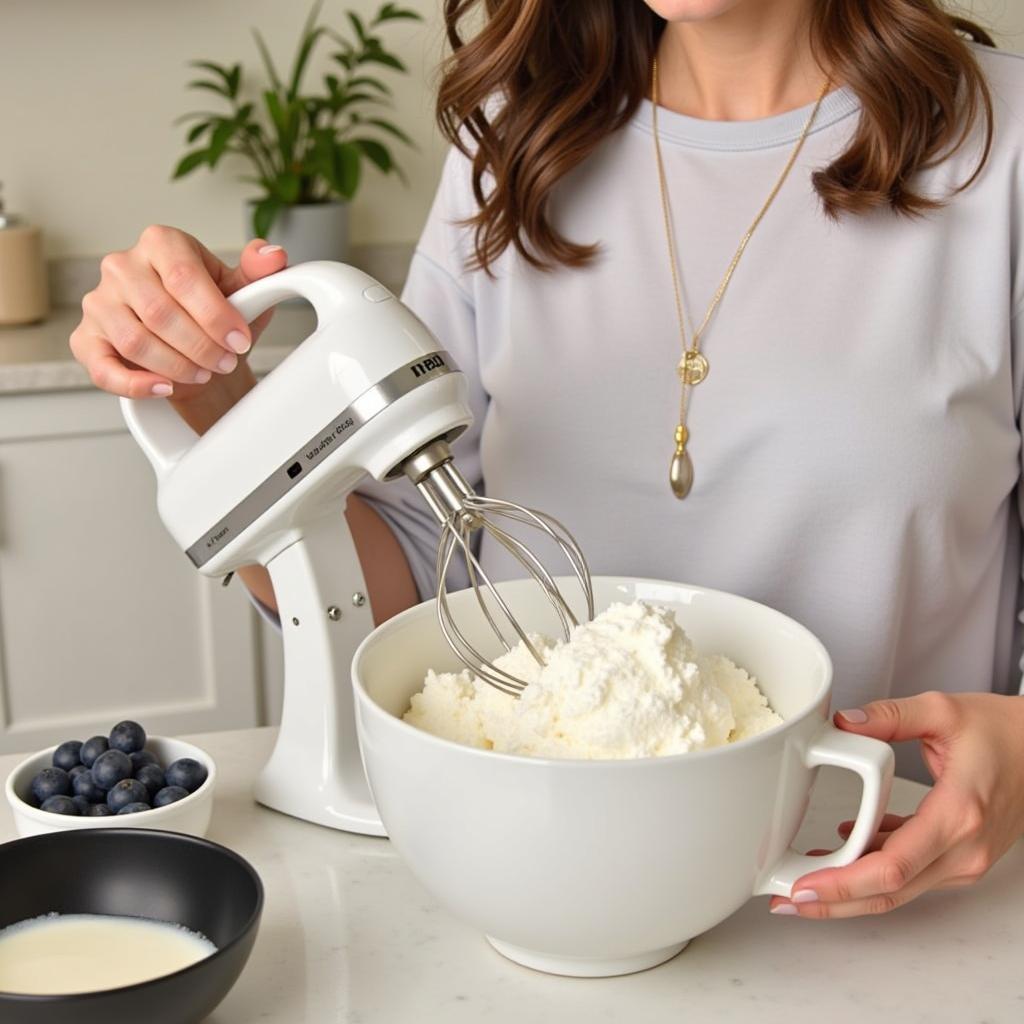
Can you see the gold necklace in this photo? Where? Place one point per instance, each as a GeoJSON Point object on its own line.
{"type": "Point", "coordinates": [693, 366]}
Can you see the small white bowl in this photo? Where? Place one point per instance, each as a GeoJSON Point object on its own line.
{"type": "Point", "coordinates": [190, 814]}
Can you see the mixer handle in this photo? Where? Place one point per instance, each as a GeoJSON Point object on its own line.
{"type": "Point", "coordinates": [161, 433]}
{"type": "Point", "coordinates": [327, 286]}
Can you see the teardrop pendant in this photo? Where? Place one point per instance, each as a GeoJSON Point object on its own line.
{"type": "Point", "coordinates": [680, 473]}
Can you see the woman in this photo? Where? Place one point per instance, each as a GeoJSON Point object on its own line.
{"type": "Point", "coordinates": [820, 194]}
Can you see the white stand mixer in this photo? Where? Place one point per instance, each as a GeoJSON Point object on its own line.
{"type": "Point", "coordinates": [370, 388]}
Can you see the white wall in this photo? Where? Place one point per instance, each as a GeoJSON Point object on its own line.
{"type": "Point", "coordinates": [89, 88]}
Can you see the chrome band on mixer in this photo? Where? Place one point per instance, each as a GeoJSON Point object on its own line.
{"type": "Point", "coordinates": [319, 447]}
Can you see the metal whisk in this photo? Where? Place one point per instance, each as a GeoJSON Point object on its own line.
{"type": "Point", "coordinates": [461, 513]}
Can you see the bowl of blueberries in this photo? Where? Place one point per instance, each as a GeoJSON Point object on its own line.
{"type": "Point", "coordinates": [124, 779]}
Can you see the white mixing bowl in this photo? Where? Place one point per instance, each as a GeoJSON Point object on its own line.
{"type": "Point", "coordinates": [594, 868]}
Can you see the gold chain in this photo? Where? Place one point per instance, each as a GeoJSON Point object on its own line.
{"type": "Point", "coordinates": [693, 365]}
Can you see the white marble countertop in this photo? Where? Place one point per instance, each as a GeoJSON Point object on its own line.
{"type": "Point", "coordinates": [350, 937]}
{"type": "Point", "coordinates": [37, 357]}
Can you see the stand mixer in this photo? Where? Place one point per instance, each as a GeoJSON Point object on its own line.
{"type": "Point", "coordinates": [370, 392]}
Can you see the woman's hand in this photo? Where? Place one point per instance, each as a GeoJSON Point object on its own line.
{"type": "Point", "coordinates": [973, 745]}
{"type": "Point", "coordinates": [159, 324]}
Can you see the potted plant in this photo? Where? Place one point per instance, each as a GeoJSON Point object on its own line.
{"type": "Point", "coordinates": [305, 149]}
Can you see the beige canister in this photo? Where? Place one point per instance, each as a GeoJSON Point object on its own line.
{"type": "Point", "coordinates": [24, 296]}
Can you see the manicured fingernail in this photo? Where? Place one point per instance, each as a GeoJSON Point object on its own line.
{"type": "Point", "coordinates": [855, 715]}
{"type": "Point", "coordinates": [202, 376]}
{"type": "Point", "coordinates": [238, 341]}
{"type": "Point", "coordinates": [161, 390]}
{"type": "Point", "coordinates": [266, 250]}
{"type": "Point", "coordinates": [227, 363]}
{"type": "Point", "coordinates": [805, 896]}
{"type": "Point", "coordinates": [784, 908]}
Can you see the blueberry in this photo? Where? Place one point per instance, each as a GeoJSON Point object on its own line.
{"type": "Point", "coordinates": [81, 803]}
{"type": "Point", "coordinates": [187, 773]}
{"type": "Point", "coordinates": [134, 807]}
{"type": "Point", "coordinates": [85, 785]}
{"type": "Point", "coordinates": [67, 755]}
{"type": "Point", "coordinates": [98, 811]}
{"type": "Point", "coordinates": [127, 736]}
{"type": "Point", "coordinates": [141, 757]}
{"type": "Point", "coordinates": [60, 805]}
{"type": "Point", "coordinates": [51, 782]}
{"type": "Point", "coordinates": [169, 795]}
{"type": "Point", "coordinates": [92, 748]}
{"type": "Point", "coordinates": [152, 777]}
{"type": "Point", "coordinates": [79, 769]}
{"type": "Point", "coordinates": [110, 768]}
{"type": "Point", "coordinates": [127, 791]}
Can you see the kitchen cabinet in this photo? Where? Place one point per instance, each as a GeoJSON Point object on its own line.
{"type": "Point", "coordinates": [102, 617]}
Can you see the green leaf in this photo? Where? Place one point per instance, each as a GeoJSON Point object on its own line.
{"type": "Point", "coordinates": [189, 162]}
{"type": "Point", "coordinates": [345, 59]}
{"type": "Point", "coordinates": [357, 25]}
{"type": "Point", "coordinates": [285, 120]}
{"type": "Point", "coordinates": [263, 216]}
{"type": "Point", "coordinates": [319, 158]}
{"type": "Point", "coordinates": [217, 69]}
{"type": "Point", "coordinates": [386, 126]}
{"type": "Point", "coordinates": [380, 57]}
{"type": "Point", "coordinates": [230, 76]}
{"type": "Point", "coordinates": [309, 39]}
{"type": "Point", "coordinates": [268, 62]}
{"type": "Point", "coordinates": [345, 178]}
{"type": "Point", "coordinates": [377, 152]}
{"type": "Point", "coordinates": [274, 108]}
{"type": "Point", "coordinates": [389, 12]}
{"type": "Point", "coordinates": [348, 99]}
{"type": "Point", "coordinates": [220, 90]}
{"type": "Point", "coordinates": [198, 130]}
{"type": "Point", "coordinates": [286, 187]}
{"type": "Point", "coordinates": [218, 141]}
{"type": "Point", "coordinates": [365, 81]}
{"type": "Point", "coordinates": [193, 114]}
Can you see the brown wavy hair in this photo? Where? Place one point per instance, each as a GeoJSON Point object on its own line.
{"type": "Point", "coordinates": [571, 73]}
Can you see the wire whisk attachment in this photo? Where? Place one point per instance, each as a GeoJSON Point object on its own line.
{"type": "Point", "coordinates": [462, 513]}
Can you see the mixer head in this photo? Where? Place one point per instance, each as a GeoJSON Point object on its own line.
{"type": "Point", "coordinates": [462, 513]}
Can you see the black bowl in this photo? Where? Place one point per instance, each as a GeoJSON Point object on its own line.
{"type": "Point", "coordinates": [135, 873]}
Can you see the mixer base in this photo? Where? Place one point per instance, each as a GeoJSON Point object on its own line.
{"type": "Point", "coordinates": [586, 967]}
{"type": "Point", "coordinates": [336, 809]}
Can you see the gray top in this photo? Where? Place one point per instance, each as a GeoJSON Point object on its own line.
{"type": "Point", "coordinates": [856, 444]}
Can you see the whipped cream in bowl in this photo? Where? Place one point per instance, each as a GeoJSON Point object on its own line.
{"type": "Point", "coordinates": [628, 684]}
{"type": "Point", "coordinates": [647, 782]}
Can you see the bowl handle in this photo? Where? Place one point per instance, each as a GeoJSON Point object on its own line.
{"type": "Point", "coordinates": [873, 761]}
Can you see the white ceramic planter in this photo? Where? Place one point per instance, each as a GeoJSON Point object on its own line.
{"type": "Point", "coordinates": [312, 231]}
{"type": "Point", "coordinates": [596, 868]}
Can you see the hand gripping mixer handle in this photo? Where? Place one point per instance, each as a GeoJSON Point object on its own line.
{"type": "Point", "coordinates": [160, 432]}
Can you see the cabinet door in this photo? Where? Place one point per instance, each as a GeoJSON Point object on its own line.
{"type": "Point", "coordinates": [102, 616]}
